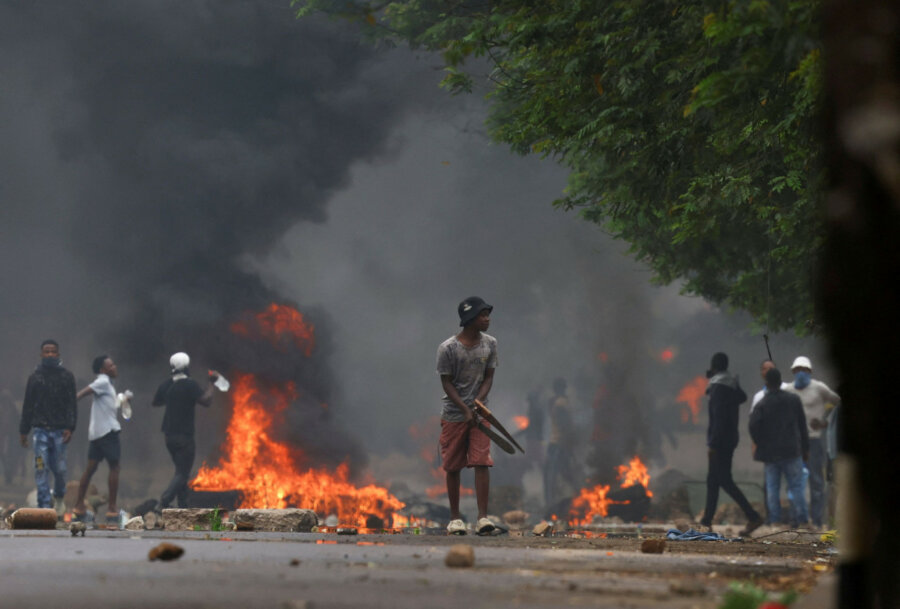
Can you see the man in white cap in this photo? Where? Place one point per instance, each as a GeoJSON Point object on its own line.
{"type": "Point", "coordinates": [817, 399]}
{"type": "Point", "coordinates": [179, 394]}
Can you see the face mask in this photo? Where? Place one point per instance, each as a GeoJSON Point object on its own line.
{"type": "Point", "coordinates": [50, 362]}
{"type": "Point", "coordinates": [802, 379]}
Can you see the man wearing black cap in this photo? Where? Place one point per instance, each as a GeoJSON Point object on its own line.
{"type": "Point", "coordinates": [725, 396]}
{"type": "Point", "coordinates": [466, 364]}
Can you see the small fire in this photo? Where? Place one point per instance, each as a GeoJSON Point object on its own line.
{"type": "Point", "coordinates": [634, 473]}
{"type": "Point", "coordinates": [593, 502]}
{"type": "Point", "coordinates": [269, 473]}
{"type": "Point", "coordinates": [280, 325]}
{"type": "Point", "coordinates": [520, 421]}
{"type": "Point", "coordinates": [667, 355]}
{"type": "Point", "coordinates": [690, 395]}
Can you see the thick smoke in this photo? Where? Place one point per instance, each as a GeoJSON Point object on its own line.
{"type": "Point", "coordinates": [147, 146]}
{"type": "Point", "coordinates": [160, 157]}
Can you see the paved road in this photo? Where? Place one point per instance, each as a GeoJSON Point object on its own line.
{"type": "Point", "coordinates": [295, 571]}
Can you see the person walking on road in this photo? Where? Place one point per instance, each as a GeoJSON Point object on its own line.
{"type": "Point", "coordinates": [103, 435]}
{"type": "Point", "coordinates": [49, 412]}
{"type": "Point", "coordinates": [725, 396]}
{"type": "Point", "coordinates": [180, 394]}
{"type": "Point", "coordinates": [466, 364]}
{"type": "Point", "coordinates": [781, 440]}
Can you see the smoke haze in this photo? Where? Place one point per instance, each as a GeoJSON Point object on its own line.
{"type": "Point", "coordinates": [168, 166]}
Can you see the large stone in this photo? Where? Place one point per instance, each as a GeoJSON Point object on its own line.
{"type": "Point", "coordinates": [188, 519]}
{"type": "Point", "coordinates": [32, 518]}
{"type": "Point", "coordinates": [289, 519]}
{"type": "Point", "coordinates": [460, 556]}
{"type": "Point", "coordinates": [135, 524]}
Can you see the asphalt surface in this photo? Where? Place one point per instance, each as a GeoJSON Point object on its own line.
{"type": "Point", "coordinates": [315, 570]}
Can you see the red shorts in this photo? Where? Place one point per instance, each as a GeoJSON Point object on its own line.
{"type": "Point", "coordinates": [463, 446]}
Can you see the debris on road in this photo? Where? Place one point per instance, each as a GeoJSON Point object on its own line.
{"type": "Point", "coordinates": [515, 518]}
{"type": "Point", "coordinates": [692, 535]}
{"type": "Point", "coordinates": [32, 518]}
{"type": "Point", "coordinates": [460, 556]}
{"type": "Point", "coordinates": [653, 546]}
{"type": "Point", "coordinates": [284, 520]}
{"type": "Point", "coordinates": [77, 528]}
{"type": "Point", "coordinates": [135, 524]}
{"type": "Point", "coordinates": [166, 551]}
{"type": "Point", "coordinates": [187, 519]}
{"type": "Point", "coordinates": [542, 528]}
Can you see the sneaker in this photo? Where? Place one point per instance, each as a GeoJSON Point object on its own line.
{"type": "Point", "coordinates": [751, 526]}
{"type": "Point", "coordinates": [456, 527]}
{"type": "Point", "coordinates": [485, 526]}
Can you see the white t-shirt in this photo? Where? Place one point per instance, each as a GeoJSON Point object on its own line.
{"type": "Point", "coordinates": [814, 397]}
{"type": "Point", "coordinates": [103, 409]}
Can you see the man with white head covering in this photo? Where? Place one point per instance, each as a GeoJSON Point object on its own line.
{"type": "Point", "coordinates": [179, 394]}
{"type": "Point", "coordinates": [817, 399]}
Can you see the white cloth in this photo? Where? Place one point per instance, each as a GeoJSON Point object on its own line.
{"type": "Point", "coordinates": [814, 397]}
{"type": "Point", "coordinates": [762, 393]}
{"type": "Point", "coordinates": [103, 408]}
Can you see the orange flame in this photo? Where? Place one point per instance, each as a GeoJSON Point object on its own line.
{"type": "Point", "coordinates": [667, 355]}
{"type": "Point", "coordinates": [267, 473]}
{"type": "Point", "coordinates": [634, 473]}
{"type": "Point", "coordinates": [280, 325]}
{"type": "Point", "coordinates": [690, 395]}
{"type": "Point", "coordinates": [593, 502]}
{"type": "Point", "coordinates": [520, 421]}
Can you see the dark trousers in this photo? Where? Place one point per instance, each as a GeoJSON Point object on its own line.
{"type": "Point", "coordinates": [719, 476]}
{"type": "Point", "coordinates": [181, 448]}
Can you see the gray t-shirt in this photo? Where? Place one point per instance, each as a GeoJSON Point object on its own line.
{"type": "Point", "coordinates": [103, 409]}
{"type": "Point", "coordinates": [465, 366]}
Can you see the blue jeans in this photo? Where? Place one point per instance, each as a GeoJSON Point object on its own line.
{"type": "Point", "coordinates": [792, 469]}
{"type": "Point", "coordinates": [817, 480]}
{"type": "Point", "coordinates": [49, 456]}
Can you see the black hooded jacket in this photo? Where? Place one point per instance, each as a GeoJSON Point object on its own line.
{"type": "Point", "coordinates": [778, 427]}
{"type": "Point", "coordinates": [49, 400]}
{"type": "Point", "coordinates": [725, 396]}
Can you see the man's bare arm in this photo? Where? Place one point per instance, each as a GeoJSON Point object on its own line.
{"type": "Point", "coordinates": [86, 391]}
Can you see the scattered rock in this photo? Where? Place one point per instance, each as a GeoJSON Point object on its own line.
{"type": "Point", "coordinates": [290, 519]}
{"type": "Point", "coordinates": [166, 551]}
{"type": "Point", "coordinates": [653, 546]}
{"type": "Point", "coordinates": [543, 528]}
{"type": "Point", "coordinates": [515, 518]}
{"type": "Point", "coordinates": [187, 519]}
{"type": "Point", "coordinates": [77, 528]}
{"type": "Point", "coordinates": [32, 518]}
{"type": "Point", "coordinates": [683, 525]}
{"type": "Point", "coordinates": [332, 520]}
{"type": "Point", "coordinates": [295, 562]}
{"type": "Point", "coordinates": [135, 524]}
{"type": "Point", "coordinates": [151, 520]}
{"type": "Point", "coordinates": [460, 556]}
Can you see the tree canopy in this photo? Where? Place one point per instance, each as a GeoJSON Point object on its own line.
{"type": "Point", "coordinates": [690, 127]}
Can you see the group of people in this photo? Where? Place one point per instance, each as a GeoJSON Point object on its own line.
{"type": "Point", "coordinates": [787, 423]}
{"type": "Point", "coordinates": [50, 413]}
